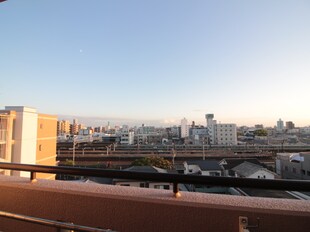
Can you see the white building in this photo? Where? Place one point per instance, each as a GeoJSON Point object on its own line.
{"type": "Point", "coordinates": [280, 125]}
{"type": "Point", "coordinates": [210, 126]}
{"type": "Point", "coordinates": [184, 128]}
{"type": "Point", "coordinates": [127, 137]}
{"type": "Point", "coordinates": [203, 167]}
{"type": "Point", "coordinates": [225, 134]}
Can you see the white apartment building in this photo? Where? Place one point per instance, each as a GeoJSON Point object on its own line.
{"type": "Point", "coordinates": [225, 134]}
{"type": "Point", "coordinates": [127, 137]}
{"type": "Point", "coordinates": [221, 134]}
{"type": "Point", "coordinates": [184, 128]}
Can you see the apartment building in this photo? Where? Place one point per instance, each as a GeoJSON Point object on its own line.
{"type": "Point", "coordinates": [225, 134]}
{"type": "Point", "coordinates": [222, 133]}
{"type": "Point", "coordinates": [63, 127]}
{"type": "Point", "coordinates": [27, 137]}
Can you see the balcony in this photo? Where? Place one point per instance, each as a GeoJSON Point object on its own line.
{"type": "Point", "coordinates": [136, 209]}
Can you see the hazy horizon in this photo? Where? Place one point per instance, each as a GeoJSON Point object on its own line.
{"type": "Point", "coordinates": [158, 61]}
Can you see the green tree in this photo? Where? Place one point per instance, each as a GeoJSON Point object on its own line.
{"type": "Point", "coordinates": [155, 161]}
{"type": "Point", "coordinates": [260, 132]}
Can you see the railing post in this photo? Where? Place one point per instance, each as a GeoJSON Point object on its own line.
{"type": "Point", "coordinates": [33, 176]}
{"type": "Point", "coordinates": [176, 190]}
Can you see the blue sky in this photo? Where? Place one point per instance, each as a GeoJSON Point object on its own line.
{"type": "Point", "coordinates": [247, 62]}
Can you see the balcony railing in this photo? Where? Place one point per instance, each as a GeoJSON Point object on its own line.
{"type": "Point", "coordinates": [175, 179]}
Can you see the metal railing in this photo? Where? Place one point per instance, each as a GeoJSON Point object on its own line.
{"type": "Point", "coordinates": [51, 223]}
{"type": "Point", "coordinates": [175, 179]}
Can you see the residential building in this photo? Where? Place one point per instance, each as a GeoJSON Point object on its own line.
{"type": "Point", "coordinates": [293, 165]}
{"type": "Point", "coordinates": [127, 136]}
{"type": "Point", "coordinates": [184, 128]}
{"type": "Point", "coordinates": [225, 134]}
{"type": "Point", "coordinates": [250, 170]}
{"type": "Point", "coordinates": [259, 126]}
{"type": "Point", "coordinates": [289, 125]}
{"type": "Point", "coordinates": [203, 167]}
{"type": "Point", "coordinates": [63, 127]}
{"type": "Point", "coordinates": [27, 137]}
{"type": "Point", "coordinates": [144, 184]}
{"type": "Point", "coordinates": [229, 163]}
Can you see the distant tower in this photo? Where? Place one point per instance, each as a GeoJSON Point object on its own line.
{"type": "Point", "coordinates": [211, 127]}
{"type": "Point", "coordinates": [280, 125]}
{"type": "Point", "coordinates": [209, 118]}
{"type": "Point", "coordinates": [184, 128]}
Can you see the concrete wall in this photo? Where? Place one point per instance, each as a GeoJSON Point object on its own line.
{"type": "Point", "coordinates": [136, 209]}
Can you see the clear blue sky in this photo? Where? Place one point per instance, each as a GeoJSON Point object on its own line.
{"type": "Point", "coordinates": [245, 61]}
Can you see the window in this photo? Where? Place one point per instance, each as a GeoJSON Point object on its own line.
{"type": "Point", "coordinates": [286, 168]}
{"type": "Point", "coordinates": [303, 171]}
{"type": "Point", "coordinates": [40, 147]}
{"type": "Point", "coordinates": [294, 170]}
{"type": "Point", "coordinates": [2, 151]}
{"type": "Point", "coordinates": [41, 126]}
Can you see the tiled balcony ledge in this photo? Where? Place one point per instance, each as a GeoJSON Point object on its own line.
{"type": "Point", "coordinates": [136, 209]}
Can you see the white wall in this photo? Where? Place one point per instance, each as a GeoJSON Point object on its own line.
{"type": "Point", "coordinates": [262, 175]}
{"type": "Point", "coordinates": [25, 136]}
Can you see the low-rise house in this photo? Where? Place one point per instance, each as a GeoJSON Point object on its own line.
{"type": "Point", "coordinates": [229, 163]}
{"type": "Point", "coordinates": [203, 167]}
{"type": "Point", "coordinates": [144, 184]}
{"type": "Point", "coordinates": [250, 170]}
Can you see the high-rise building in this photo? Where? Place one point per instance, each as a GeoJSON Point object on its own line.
{"type": "Point", "coordinates": [27, 137]}
{"type": "Point", "coordinates": [74, 128]}
{"type": "Point", "coordinates": [211, 127]}
{"type": "Point", "coordinates": [289, 125]}
{"type": "Point", "coordinates": [280, 125]}
{"type": "Point", "coordinates": [63, 127]}
{"type": "Point", "coordinates": [184, 128]}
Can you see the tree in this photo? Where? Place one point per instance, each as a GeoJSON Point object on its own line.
{"type": "Point", "coordinates": [155, 161]}
{"type": "Point", "coordinates": [260, 132]}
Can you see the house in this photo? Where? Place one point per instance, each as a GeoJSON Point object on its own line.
{"type": "Point", "coordinates": [144, 184]}
{"type": "Point", "coordinates": [229, 163]}
{"type": "Point", "coordinates": [203, 167]}
{"type": "Point", "coordinates": [250, 170]}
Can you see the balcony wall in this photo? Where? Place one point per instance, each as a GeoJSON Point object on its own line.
{"type": "Point", "coordinates": [135, 209]}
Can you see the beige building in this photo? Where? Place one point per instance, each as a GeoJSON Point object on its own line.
{"type": "Point", "coordinates": [63, 127]}
{"type": "Point", "coordinates": [27, 137]}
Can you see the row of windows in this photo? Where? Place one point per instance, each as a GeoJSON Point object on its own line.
{"type": "Point", "coordinates": [296, 171]}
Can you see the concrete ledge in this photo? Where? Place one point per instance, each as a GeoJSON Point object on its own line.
{"type": "Point", "coordinates": [136, 209]}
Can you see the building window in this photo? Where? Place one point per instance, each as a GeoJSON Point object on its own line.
{"type": "Point", "coordinates": [308, 173]}
{"type": "Point", "coordinates": [41, 126]}
{"type": "Point", "coordinates": [40, 147]}
{"type": "Point", "coordinates": [286, 168]}
{"type": "Point", "coordinates": [294, 170]}
{"type": "Point", "coordinates": [303, 171]}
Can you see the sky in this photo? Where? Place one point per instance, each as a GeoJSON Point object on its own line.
{"type": "Point", "coordinates": [138, 61]}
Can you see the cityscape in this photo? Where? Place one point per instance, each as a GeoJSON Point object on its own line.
{"type": "Point", "coordinates": [154, 116]}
